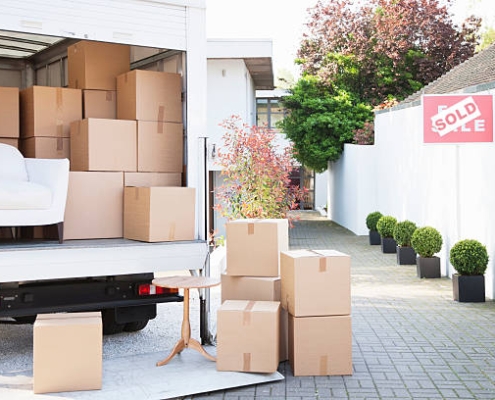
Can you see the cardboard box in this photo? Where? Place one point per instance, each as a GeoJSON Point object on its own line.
{"type": "Point", "coordinates": [257, 288]}
{"type": "Point", "coordinates": [253, 246]}
{"type": "Point", "coordinates": [320, 345]}
{"type": "Point", "coordinates": [159, 214]}
{"type": "Point", "coordinates": [10, 142]}
{"type": "Point", "coordinates": [160, 147]}
{"type": "Point", "coordinates": [95, 205]}
{"type": "Point", "coordinates": [315, 282]}
{"type": "Point", "coordinates": [48, 111]}
{"type": "Point", "coordinates": [247, 336]}
{"type": "Point", "coordinates": [99, 104]}
{"type": "Point", "coordinates": [67, 352]}
{"type": "Point", "coordinates": [9, 112]}
{"type": "Point", "coordinates": [152, 179]}
{"type": "Point", "coordinates": [96, 65]}
{"type": "Point", "coordinates": [103, 145]}
{"type": "Point", "coordinates": [149, 96]}
{"type": "Point", "coordinates": [45, 147]}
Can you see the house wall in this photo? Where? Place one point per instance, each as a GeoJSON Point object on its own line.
{"type": "Point", "coordinates": [447, 186]}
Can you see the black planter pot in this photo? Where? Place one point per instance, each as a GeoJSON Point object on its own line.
{"type": "Point", "coordinates": [469, 289]}
{"type": "Point", "coordinates": [428, 267]}
{"type": "Point", "coordinates": [375, 238]}
{"type": "Point", "coordinates": [389, 245]}
{"type": "Point", "coordinates": [406, 255]}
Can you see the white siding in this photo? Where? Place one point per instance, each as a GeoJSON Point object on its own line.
{"type": "Point", "coordinates": [145, 23]}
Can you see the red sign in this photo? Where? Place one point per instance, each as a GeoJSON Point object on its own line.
{"type": "Point", "coordinates": [457, 118]}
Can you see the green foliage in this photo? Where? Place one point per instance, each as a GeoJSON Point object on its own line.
{"type": "Point", "coordinates": [426, 241]}
{"type": "Point", "coordinates": [386, 225]}
{"type": "Point", "coordinates": [256, 174]}
{"type": "Point", "coordinates": [320, 120]}
{"type": "Point", "coordinates": [469, 257]}
{"type": "Point", "coordinates": [403, 232]}
{"type": "Point", "coordinates": [372, 219]}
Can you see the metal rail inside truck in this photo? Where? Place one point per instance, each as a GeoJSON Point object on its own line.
{"type": "Point", "coordinates": [114, 274]}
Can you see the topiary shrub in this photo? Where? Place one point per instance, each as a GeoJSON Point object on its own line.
{"type": "Point", "coordinates": [426, 241]}
{"type": "Point", "coordinates": [385, 226]}
{"type": "Point", "coordinates": [372, 219]}
{"type": "Point", "coordinates": [469, 257]}
{"type": "Point", "coordinates": [403, 232]}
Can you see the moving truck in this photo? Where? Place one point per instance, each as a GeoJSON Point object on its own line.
{"type": "Point", "coordinates": [109, 274]}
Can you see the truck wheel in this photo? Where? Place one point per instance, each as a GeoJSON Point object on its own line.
{"type": "Point", "coordinates": [136, 325]}
{"type": "Point", "coordinates": [110, 326]}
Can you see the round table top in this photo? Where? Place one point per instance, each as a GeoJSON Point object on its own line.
{"type": "Point", "coordinates": [186, 282]}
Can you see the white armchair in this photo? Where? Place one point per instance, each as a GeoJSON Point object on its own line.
{"type": "Point", "coordinates": [33, 191]}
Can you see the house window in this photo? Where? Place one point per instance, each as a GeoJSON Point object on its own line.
{"type": "Point", "coordinates": [268, 112]}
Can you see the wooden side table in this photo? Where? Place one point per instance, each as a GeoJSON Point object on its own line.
{"type": "Point", "coordinates": [186, 283]}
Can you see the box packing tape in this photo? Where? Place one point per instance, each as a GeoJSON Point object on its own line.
{"type": "Point", "coordinates": [60, 144]}
{"type": "Point", "coordinates": [246, 362]}
{"type": "Point", "coordinates": [159, 127]}
{"type": "Point", "coordinates": [323, 261]}
{"type": "Point", "coordinates": [324, 365]}
{"type": "Point", "coordinates": [109, 95]}
{"type": "Point", "coordinates": [161, 112]}
{"type": "Point", "coordinates": [171, 232]}
{"type": "Point", "coordinates": [246, 314]}
{"type": "Point", "coordinates": [250, 228]}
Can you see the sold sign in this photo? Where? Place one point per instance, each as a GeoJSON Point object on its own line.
{"type": "Point", "coordinates": [455, 119]}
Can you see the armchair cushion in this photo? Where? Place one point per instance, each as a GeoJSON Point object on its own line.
{"type": "Point", "coordinates": [20, 195]}
{"type": "Point", "coordinates": [12, 166]}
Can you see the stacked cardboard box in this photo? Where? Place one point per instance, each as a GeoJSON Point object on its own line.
{"type": "Point", "coordinates": [252, 272]}
{"type": "Point", "coordinates": [9, 116]}
{"type": "Point", "coordinates": [316, 291]}
{"type": "Point", "coordinates": [46, 115]}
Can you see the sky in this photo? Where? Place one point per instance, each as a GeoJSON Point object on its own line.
{"type": "Point", "coordinates": [283, 21]}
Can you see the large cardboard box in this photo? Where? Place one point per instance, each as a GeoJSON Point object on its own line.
{"type": "Point", "coordinates": [96, 65]}
{"type": "Point", "coordinates": [320, 345]}
{"type": "Point", "coordinates": [45, 147]}
{"type": "Point", "coordinates": [48, 111]}
{"type": "Point", "coordinates": [160, 147]}
{"type": "Point", "coordinates": [99, 144]}
{"type": "Point", "coordinates": [67, 352]}
{"type": "Point", "coordinates": [99, 104]}
{"type": "Point", "coordinates": [248, 335]}
{"type": "Point", "coordinates": [315, 282]}
{"type": "Point", "coordinates": [159, 214]}
{"type": "Point", "coordinates": [95, 205]}
{"type": "Point", "coordinates": [254, 246]}
{"type": "Point", "coordinates": [10, 142]}
{"type": "Point", "coordinates": [9, 112]}
{"type": "Point", "coordinates": [152, 179]}
{"type": "Point", "coordinates": [149, 96]}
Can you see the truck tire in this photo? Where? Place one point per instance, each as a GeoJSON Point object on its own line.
{"type": "Point", "coordinates": [110, 326]}
{"type": "Point", "coordinates": [136, 325]}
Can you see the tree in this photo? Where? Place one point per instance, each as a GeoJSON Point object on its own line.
{"type": "Point", "coordinates": [320, 120]}
{"type": "Point", "coordinates": [257, 174]}
{"type": "Point", "coordinates": [383, 48]}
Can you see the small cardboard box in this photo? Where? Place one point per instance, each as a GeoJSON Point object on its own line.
{"type": "Point", "coordinates": [49, 111]}
{"type": "Point", "coordinates": [248, 336]}
{"type": "Point", "coordinates": [315, 282]}
{"type": "Point", "coordinates": [152, 179]}
{"type": "Point", "coordinates": [257, 288]}
{"type": "Point", "coordinates": [9, 112]}
{"type": "Point", "coordinates": [99, 144]}
{"type": "Point", "coordinates": [95, 205]}
{"type": "Point", "coordinates": [45, 147]}
{"type": "Point", "coordinates": [67, 352]}
{"type": "Point", "coordinates": [160, 147]}
{"type": "Point", "coordinates": [320, 345]}
{"type": "Point", "coordinates": [100, 104]}
{"type": "Point", "coordinates": [253, 246]}
{"type": "Point", "coordinates": [159, 214]}
{"type": "Point", "coordinates": [96, 65]}
{"type": "Point", "coordinates": [149, 96]}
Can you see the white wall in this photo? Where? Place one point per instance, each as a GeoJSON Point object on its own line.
{"type": "Point", "coordinates": [447, 186]}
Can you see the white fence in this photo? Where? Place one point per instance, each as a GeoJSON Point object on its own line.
{"type": "Point", "coordinates": [448, 186]}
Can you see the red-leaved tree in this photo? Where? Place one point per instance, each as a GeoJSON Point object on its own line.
{"type": "Point", "coordinates": [256, 173]}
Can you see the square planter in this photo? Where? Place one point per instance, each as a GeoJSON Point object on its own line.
{"type": "Point", "coordinates": [469, 289]}
{"type": "Point", "coordinates": [389, 245]}
{"type": "Point", "coordinates": [406, 255]}
{"type": "Point", "coordinates": [428, 267]}
{"type": "Point", "coordinates": [375, 238]}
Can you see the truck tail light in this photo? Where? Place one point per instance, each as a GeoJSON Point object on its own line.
{"type": "Point", "coordinates": [147, 289]}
